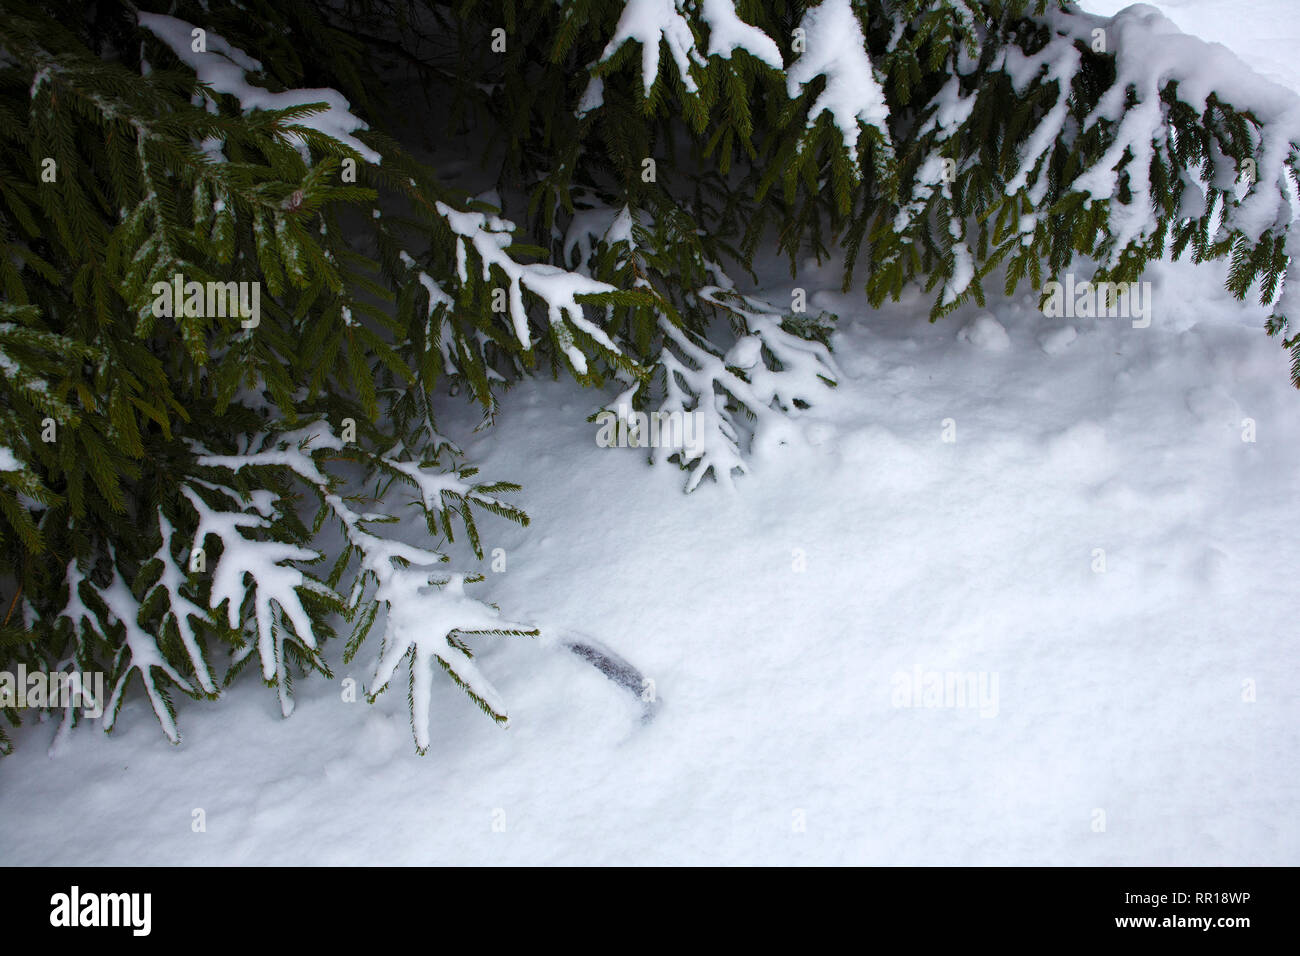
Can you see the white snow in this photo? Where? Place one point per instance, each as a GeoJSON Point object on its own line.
{"type": "Point", "coordinates": [421, 615]}
{"type": "Point", "coordinates": [963, 264]}
{"type": "Point", "coordinates": [1057, 62]}
{"type": "Point", "coordinates": [593, 97]}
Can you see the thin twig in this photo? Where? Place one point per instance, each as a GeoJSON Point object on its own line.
{"type": "Point", "coordinates": [13, 604]}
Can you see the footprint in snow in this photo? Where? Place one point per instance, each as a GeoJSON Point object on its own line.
{"type": "Point", "coordinates": [1213, 406]}
{"type": "Point", "coordinates": [1056, 341]}
{"type": "Point", "coordinates": [1209, 568]}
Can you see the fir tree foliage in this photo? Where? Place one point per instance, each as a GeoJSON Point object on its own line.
{"type": "Point", "coordinates": [160, 459]}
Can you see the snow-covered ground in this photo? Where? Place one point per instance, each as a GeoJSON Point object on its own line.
{"type": "Point", "coordinates": [1146, 713]}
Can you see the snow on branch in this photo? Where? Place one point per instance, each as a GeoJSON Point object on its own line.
{"type": "Point", "coordinates": [657, 23]}
{"type": "Point", "coordinates": [490, 236]}
{"type": "Point", "coordinates": [425, 615]}
{"type": "Point", "coordinates": [422, 614]}
{"type": "Point", "coordinates": [249, 566]}
{"type": "Point", "coordinates": [1057, 62]}
{"type": "Point", "coordinates": [139, 651]}
{"type": "Point", "coordinates": [591, 226]}
{"type": "Point", "coordinates": [1155, 63]}
{"type": "Point", "coordinates": [768, 371]}
{"type": "Point", "coordinates": [837, 50]}
{"type": "Point", "coordinates": [719, 403]}
{"type": "Point", "coordinates": [179, 609]}
{"type": "Point", "coordinates": [440, 304]}
{"type": "Point", "coordinates": [442, 492]}
{"type": "Point", "coordinates": [798, 370]}
{"type": "Point", "coordinates": [650, 22]}
{"type": "Point", "coordinates": [1151, 53]}
{"type": "Point", "coordinates": [692, 389]}
{"type": "Point", "coordinates": [728, 33]}
{"type": "Point", "coordinates": [223, 67]}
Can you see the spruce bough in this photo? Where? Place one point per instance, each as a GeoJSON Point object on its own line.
{"type": "Point", "coordinates": [181, 485]}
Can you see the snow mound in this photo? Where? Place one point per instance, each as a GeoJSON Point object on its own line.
{"type": "Point", "coordinates": [985, 332]}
